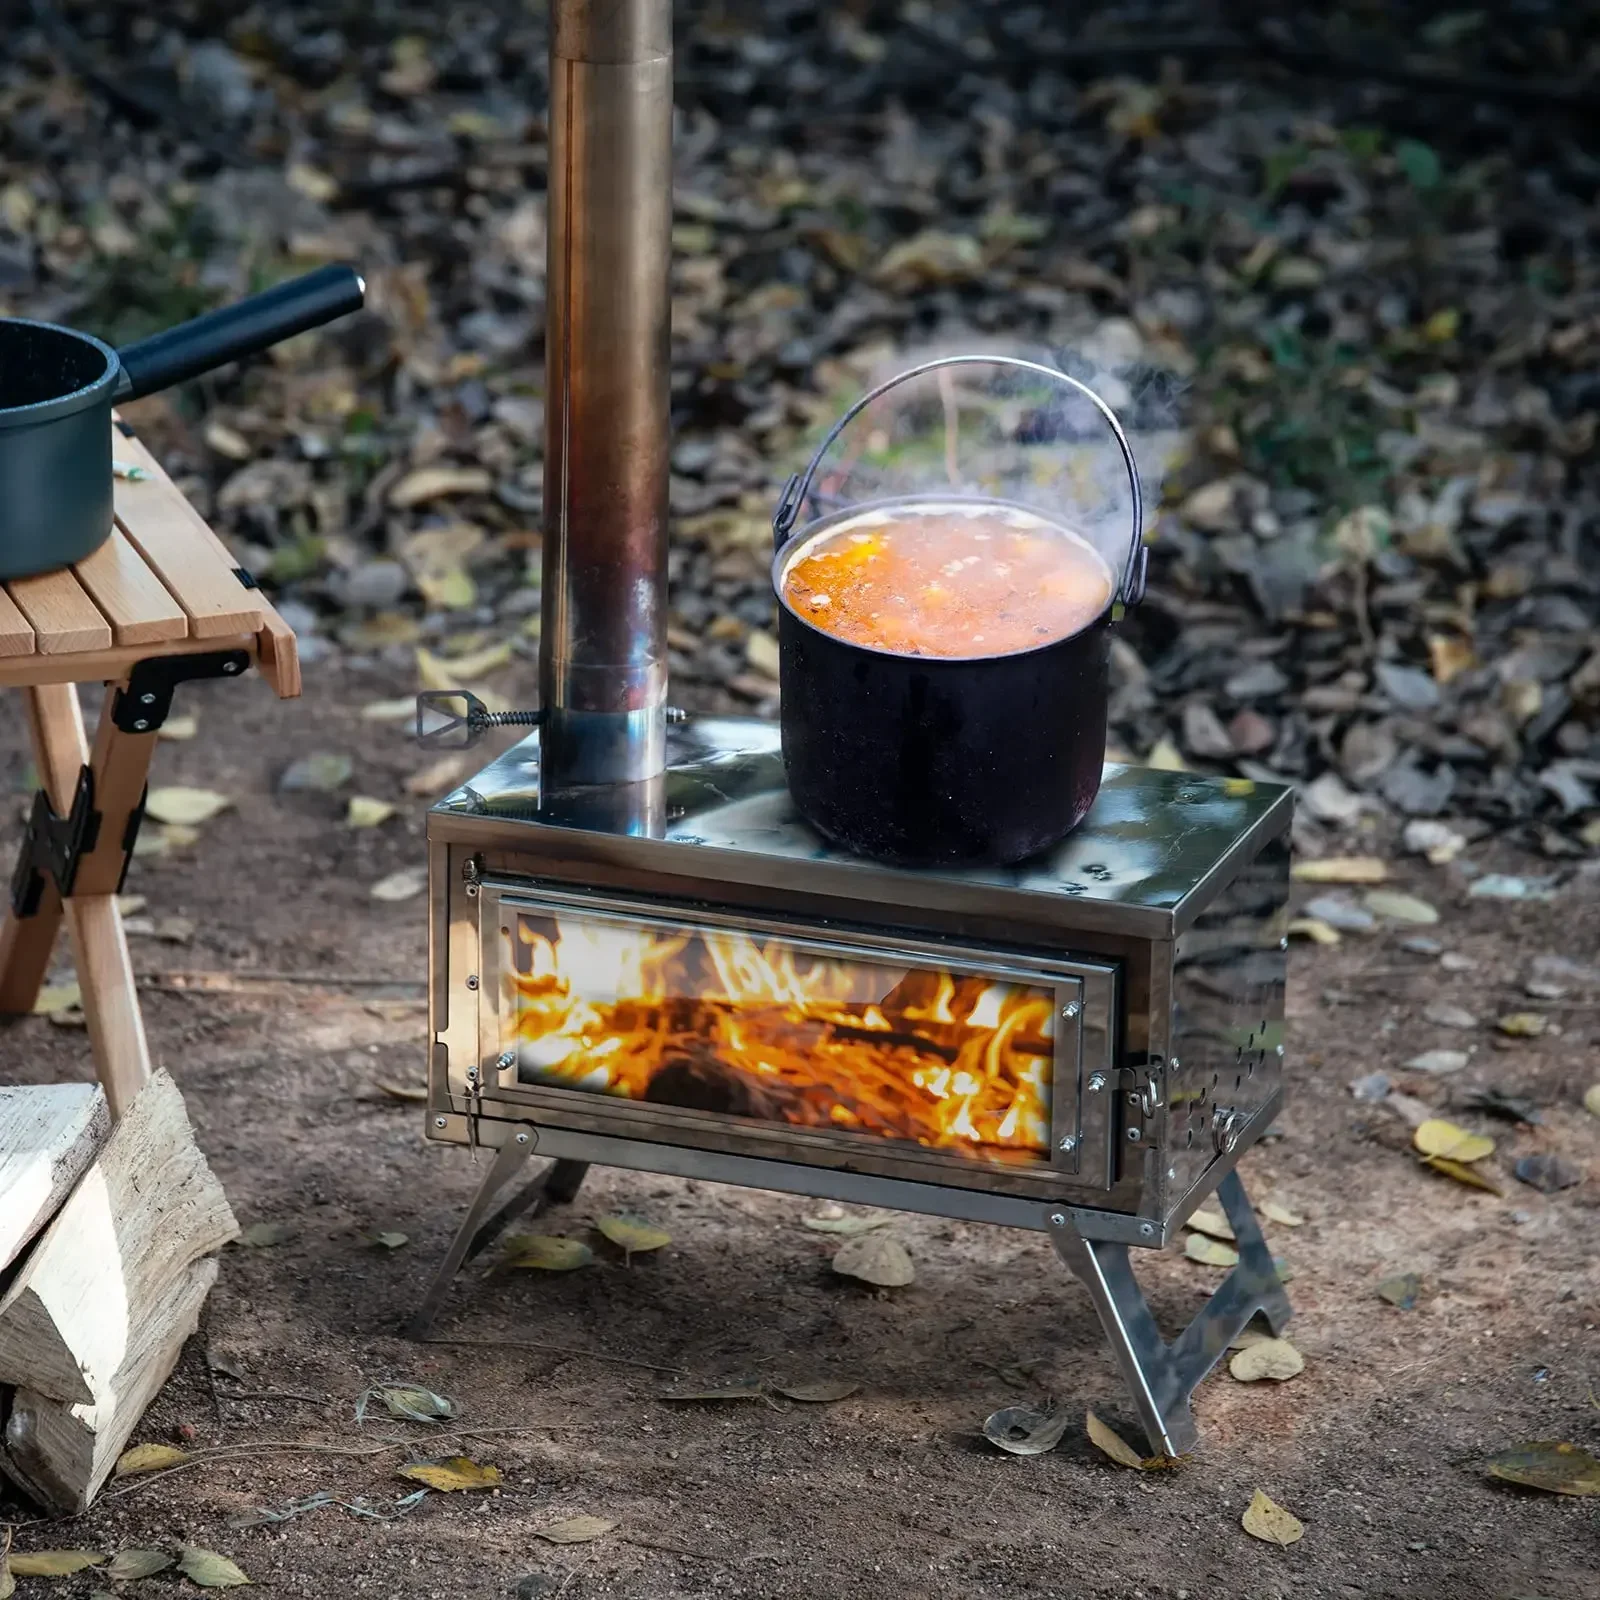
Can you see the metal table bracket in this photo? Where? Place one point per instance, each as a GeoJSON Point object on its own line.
{"type": "Point", "coordinates": [53, 845]}
{"type": "Point", "coordinates": [142, 705]}
{"type": "Point", "coordinates": [557, 1184]}
{"type": "Point", "coordinates": [1163, 1376]}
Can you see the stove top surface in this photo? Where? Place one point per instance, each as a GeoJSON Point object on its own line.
{"type": "Point", "coordinates": [1152, 840]}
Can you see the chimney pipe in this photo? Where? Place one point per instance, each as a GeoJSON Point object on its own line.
{"type": "Point", "coordinates": [603, 651]}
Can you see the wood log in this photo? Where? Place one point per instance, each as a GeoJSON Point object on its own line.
{"type": "Point", "coordinates": [60, 1454]}
{"type": "Point", "coordinates": [49, 1133]}
{"type": "Point", "coordinates": [140, 1217]}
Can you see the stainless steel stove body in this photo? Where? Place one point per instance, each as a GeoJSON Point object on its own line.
{"type": "Point", "coordinates": [679, 977]}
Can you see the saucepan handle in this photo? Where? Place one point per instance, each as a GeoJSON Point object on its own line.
{"type": "Point", "coordinates": [245, 329]}
{"type": "Point", "coordinates": [1131, 589]}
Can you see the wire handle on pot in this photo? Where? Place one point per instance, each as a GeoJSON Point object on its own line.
{"type": "Point", "coordinates": [245, 329]}
{"type": "Point", "coordinates": [1131, 589]}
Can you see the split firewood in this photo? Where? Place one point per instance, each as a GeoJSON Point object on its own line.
{"type": "Point", "coordinates": [49, 1134]}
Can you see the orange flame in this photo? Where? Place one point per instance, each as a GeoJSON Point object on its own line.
{"type": "Point", "coordinates": [715, 1020]}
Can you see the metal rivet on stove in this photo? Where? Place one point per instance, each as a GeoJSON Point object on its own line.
{"type": "Point", "coordinates": [140, 725]}
{"type": "Point", "coordinates": [1283, 944]}
{"type": "Point", "coordinates": [1147, 1228]}
{"type": "Point", "coordinates": [1071, 1009]}
{"type": "Point", "coordinates": [1059, 1218]}
{"type": "Point", "coordinates": [1097, 1081]}
{"type": "Point", "coordinates": [472, 891]}
{"type": "Point", "coordinates": [1280, 1050]}
{"type": "Point", "coordinates": [506, 1060]}
{"type": "Point", "coordinates": [472, 980]}
{"type": "Point", "coordinates": [1068, 1142]}
{"type": "Point", "coordinates": [472, 1074]}
{"type": "Point", "coordinates": [522, 1138]}
{"type": "Point", "coordinates": [439, 1122]}
{"type": "Point", "coordinates": [1133, 1135]}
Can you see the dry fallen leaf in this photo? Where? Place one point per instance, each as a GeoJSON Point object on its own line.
{"type": "Point", "coordinates": [738, 1389]}
{"type": "Point", "coordinates": [263, 1235]}
{"type": "Point", "coordinates": [1210, 1252]}
{"type": "Point", "coordinates": [1166, 757]}
{"type": "Point", "coordinates": [149, 1458]}
{"type": "Point", "coordinates": [876, 1259]}
{"type": "Point", "coordinates": [633, 1236]}
{"type": "Point", "coordinates": [1523, 1024]}
{"type": "Point", "coordinates": [1022, 1431]}
{"type": "Point", "coordinates": [847, 1225]}
{"type": "Point", "coordinates": [542, 1253]}
{"type": "Point", "coordinates": [1266, 1520]}
{"type": "Point", "coordinates": [1549, 1464]}
{"type": "Point", "coordinates": [1341, 869]}
{"type": "Point", "coordinates": [1462, 1173]}
{"type": "Point", "coordinates": [365, 812]}
{"type": "Point", "coordinates": [127, 1566]}
{"type": "Point", "coordinates": [457, 672]}
{"type": "Point", "coordinates": [451, 1474]}
{"type": "Point", "coordinates": [406, 884]}
{"type": "Point", "coordinates": [1212, 1223]}
{"type": "Point", "coordinates": [408, 1401]}
{"type": "Point", "coordinates": [1314, 929]}
{"type": "Point", "coordinates": [412, 1093]}
{"type": "Point", "coordinates": [179, 728]}
{"type": "Point", "coordinates": [53, 1563]}
{"type": "Point", "coordinates": [183, 806]}
{"type": "Point", "coordinates": [1112, 1444]}
{"type": "Point", "coordinates": [399, 710]}
{"type": "Point", "coordinates": [576, 1530]}
{"type": "Point", "coordinates": [1402, 1290]}
{"type": "Point", "coordinates": [819, 1391]}
{"type": "Point", "coordinates": [437, 777]}
{"type": "Point", "coordinates": [1397, 907]}
{"type": "Point", "coordinates": [1273, 1211]}
{"type": "Point", "coordinates": [389, 1241]}
{"type": "Point", "coordinates": [1267, 1358]}
{"type": "Point", "coordinates": [8, 1584]}
{"type": "Point", "coordinates": [322, 772]}
{"type": "Point", "coordinates": [1591, 1100]}
{"type": "Point", "coordinates": [1436, 1137]}
{"type": "Point", "coordinates": [56, 998]}
{"type": "Point", "coordinates": [434, 483]}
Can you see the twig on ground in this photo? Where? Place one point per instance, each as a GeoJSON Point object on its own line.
{"type": "Point", "coordinates": [555, 1349]}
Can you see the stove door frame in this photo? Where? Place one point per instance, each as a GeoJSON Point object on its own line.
{"type": "Point", "coordinates": [1083, 1154]}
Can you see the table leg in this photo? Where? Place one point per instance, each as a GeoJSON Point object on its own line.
{"type": "Point", "coordinates": [105, 969]}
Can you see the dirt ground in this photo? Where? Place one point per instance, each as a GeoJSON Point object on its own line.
{"type": "Point", "coordinates": [890, 1493]}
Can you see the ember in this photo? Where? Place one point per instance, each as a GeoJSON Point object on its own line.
{"type": "Point", "coordinates": [716, 1020]}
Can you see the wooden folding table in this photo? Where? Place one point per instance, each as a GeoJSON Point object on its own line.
{"type": "Point", "coordinates": [161, 603]}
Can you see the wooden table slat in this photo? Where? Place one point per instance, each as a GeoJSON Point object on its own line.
{"type": "Point", "coordinates": [16, 636]}
{"type": "Point", "coordinates": [133, 598]}
{"type": "Point", "coordinates": [64, 619]}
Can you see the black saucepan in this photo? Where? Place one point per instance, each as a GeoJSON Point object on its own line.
{"type": "Point", "coordinates": [57, 389]}
{"type": "Point", "coordinates": [927, 761]}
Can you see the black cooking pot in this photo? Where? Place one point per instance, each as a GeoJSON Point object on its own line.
{"type": "Point", "coordinates": [57, 389]}
{"type": "Point", "coordinates": [924, 760]}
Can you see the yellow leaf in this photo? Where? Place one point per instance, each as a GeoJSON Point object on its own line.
{"type": "Point", "coordinates": [406, 884]}
{"type": "Point", "coordinates": [208, 1569]}
{"type": "Point", "coordinates": [1165, 757]}
{"type": "Point", "coordinates": [576, 1530]}
{"type": "Point", "coordinates": [1209, 1221]}
{"type": "Point", "coordinates": [1549, 1464]}
{"type": "Point", "coordinates": [417, 1093]}
{"type": "Point", "coordinates": [1267, 1358]}
{"type": "Point", "coordinates": [54, 1563]}
{"type": "Point", "coordinates": [632, 1236]}
{"type": "Point", "coordinates": [1449, 657]}
{"type": "Point", "coordinates": [439, 672]}
{"type": "Point", "coordinates": [761, 651]}
{"type": "Point", "coordinates": [435, 483]}
{"type": "Point", "coordinates": [819, 1391]}
{"type": "Point", "coordinates": [1111, 1444]}
{"type": "Point", "coordinates": [877, 1259]}
{"type": "Point", "coordinates": [1436, 1137]}
{"type": "Point", "coordinates": [451, 1474]}
{"type": "Point", "coordinates": [1281, 1214]}
{"type": "Point", "coordinates": [149, 1458]}
{"type": "Point", "coordinates": [401, 710]}
{"type": "Point", "coordinates": [436, 777]}
{"type": "Point", "coordinates": [129, 1565]}
{"type": "Point", "coordinates": [312, 182]}
{"type": "Point", "coordinates": [1442, 326]}
{"type": "Point", "coordinates": [183, 806]}
{"type": "Point", "coordinates": [1591, 1100]}
{"type": "Point", "coordinates": [178, 835]}
{"type": "Point", "coordinates": [1470, 1176]}
{"type": "Point", "coordinates": [55, 998]}
{"type": "Point", "coordinates": [452, 590]}
{"type": "Point", "coordinates": [1266, 1520]}
{"type": "Point", "coordinates": [1523, 1024]}
{"type": "Point", "coordinates": [179, 728]}
{"type": "Point", "coordinates": [1210, 1252]}
{"type": "Point", "coordinates": [8, 1584]}
{"type": "Point", "coordinates": [541, 1253]}
{"type": "Point", "coordinates": [1314, 929]}
{"type": "Point", "coordinates": [365, 812]}
{"type": "Point", "coordinates": [1341, 869]}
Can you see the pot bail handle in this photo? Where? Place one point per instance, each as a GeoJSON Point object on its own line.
{"type": "Point", "coordinates": [245, 329]}
{"type": "Point", "coordinates": [1131, 589]}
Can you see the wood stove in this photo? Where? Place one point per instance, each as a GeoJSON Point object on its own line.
{"type": "Point", "coordinates": [641, 956]}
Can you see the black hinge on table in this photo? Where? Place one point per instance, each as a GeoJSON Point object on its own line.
{"type": "Point", "coordinates": [246, 578]}
{"type": "Point", "coordinates": [143, 706]}
{"type": "Point", "coordinates": [53, 846]}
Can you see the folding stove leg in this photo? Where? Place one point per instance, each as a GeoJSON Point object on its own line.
{"type": "Point", "coordinates": [557, 1184]}
{"type": "Point", "coordinates": [1162, 1376]}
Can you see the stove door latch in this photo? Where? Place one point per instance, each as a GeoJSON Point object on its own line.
{"type": "Point", "coordinates": [1143, 1099]}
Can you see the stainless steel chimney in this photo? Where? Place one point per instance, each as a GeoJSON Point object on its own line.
{"type": "Point", "coordinates": [603, 652]}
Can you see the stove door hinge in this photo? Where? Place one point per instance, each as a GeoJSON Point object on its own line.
{"type": "Point", "coordinates": [53, 846]}
{"type": "Point", "coordinates": [1143, 1100]}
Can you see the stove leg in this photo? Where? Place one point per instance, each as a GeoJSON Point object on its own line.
{"type": "Point", "coordinates": [1162, 1376]}
{"type": "Point", "coordinates": [558, 1183]}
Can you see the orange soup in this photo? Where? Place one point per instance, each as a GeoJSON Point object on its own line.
{"type": "Point", "coordinates": [948, 580]}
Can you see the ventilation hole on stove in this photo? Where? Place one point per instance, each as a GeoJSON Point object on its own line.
{"type": "Point", "coordinates": [1238, 1081]}
{"type": "Point", "coordinates": [1216, 1078]}
{"type": "Point", "coordinates": [1189, 1140]}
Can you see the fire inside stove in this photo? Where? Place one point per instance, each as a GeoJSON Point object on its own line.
{"type": "Point", "coordinates": [717, 1020]}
